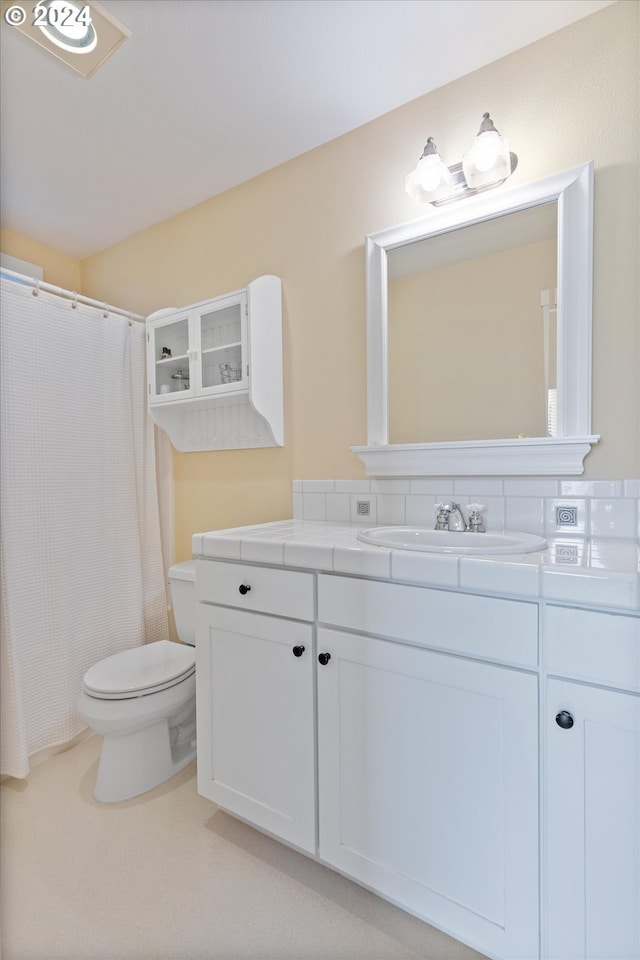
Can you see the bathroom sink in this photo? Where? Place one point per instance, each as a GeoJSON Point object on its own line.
{"type": "Point", "coordinates": [449, 541]}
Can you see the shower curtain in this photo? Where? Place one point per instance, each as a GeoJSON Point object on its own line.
{"type": "Point", "coordinates": [82, 573]}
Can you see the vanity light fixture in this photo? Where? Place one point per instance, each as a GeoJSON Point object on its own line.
{"type": "Point", "coordinates": [487, 164]}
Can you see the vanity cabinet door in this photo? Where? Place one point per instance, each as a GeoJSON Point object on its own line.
{"type": "Point", "coordinates": [428, 786]}
{"type": "Point", "coordinates": [255, 717]}
{"type": "Point", "coordinates": [592, 823]}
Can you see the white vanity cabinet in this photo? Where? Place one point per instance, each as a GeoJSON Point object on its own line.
{"type": "Point", "coordinates": [214, 369]}
{"type": "Point", "coordinates": [255, 697]}
{"type": "Point", "coordinates": [474, 759]}
{"type": "Point", "coordinates": [592, 786]}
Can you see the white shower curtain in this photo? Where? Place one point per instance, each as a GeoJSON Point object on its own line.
{"type": "Point", "coordinates": [82, 572]}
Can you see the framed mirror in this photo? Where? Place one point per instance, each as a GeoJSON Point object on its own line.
{"type": "Point", "coordinates": [479, 335]}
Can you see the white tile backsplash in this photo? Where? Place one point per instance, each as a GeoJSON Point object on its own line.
{"type": "Point", "coordinates": [352, 486]}
{"type": "Point", "coordinates": [605, 508]}
{"type": "Point", "coordinates": [531, 488]}
{"type": "Point", "coordinates": [390, 508]}
{"type": "Point", "coordinates": [525, 513]}
{"type": "Point", "coordinates": [437, 487]}
{"type": "Point", "coordinates": [420, 510]}
{"type": "Point", "coordinates": [355, 516]}
{"type": "Point", "coordinates": [591, 488]}
{"type": "Point", "coordinates": [494, 512]}
{"type": "Point", "coordinates": [476, 488]}
{"type": "Point", "coordinates": [338, 507]}
{"type": "Point", "coordinates": [390, 486]}
{"type": "Point", "coordinates": [314, 506]}
{"type": "Point", "coordinates": [318, 486]}
{"type": "Point", "coordinates": [610, 518]}
{"type": "Point", "coordinates": [553, 529]}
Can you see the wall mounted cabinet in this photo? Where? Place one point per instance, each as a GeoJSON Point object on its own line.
{"type": "Point", "coordinates": [214, 370]}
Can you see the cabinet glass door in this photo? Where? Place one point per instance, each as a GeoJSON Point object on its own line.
{"type": "Point", "coordinates": [168, 357]}
{"type": "Point", "coordinates": [222, 362]}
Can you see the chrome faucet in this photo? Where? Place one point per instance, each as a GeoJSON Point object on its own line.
{"type": "Point", "coordinates": [456, 518]}
{"type": "Point", "coordinates": [450, 517]}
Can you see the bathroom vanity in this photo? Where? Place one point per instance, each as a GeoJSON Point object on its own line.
{"type": "Point", "coordinates": [460, 735]}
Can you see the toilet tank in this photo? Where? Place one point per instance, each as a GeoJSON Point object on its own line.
{"type": "Point", "coordinates": [182, 581]}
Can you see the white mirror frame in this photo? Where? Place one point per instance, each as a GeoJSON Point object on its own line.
{"type": "Point", "coordinates": [562, 455]}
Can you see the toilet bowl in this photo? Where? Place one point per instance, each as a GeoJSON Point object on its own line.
{"type": "Point", "coordinates": [143, 703]}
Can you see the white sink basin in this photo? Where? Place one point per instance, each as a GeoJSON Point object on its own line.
{"type": "Point", "coordinates": [449, 541]}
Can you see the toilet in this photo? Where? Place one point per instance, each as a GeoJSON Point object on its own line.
{"type": "Point", "coordinates": [143, 703]}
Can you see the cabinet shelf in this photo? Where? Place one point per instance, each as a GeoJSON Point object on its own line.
{"type": "Point", "coordinates": [183, 357]}
{"type": "Point", "coordinates": [224, 346]}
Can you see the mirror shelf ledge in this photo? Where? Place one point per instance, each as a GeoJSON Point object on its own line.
{"type": "Point", "coordinates": [529, 456]}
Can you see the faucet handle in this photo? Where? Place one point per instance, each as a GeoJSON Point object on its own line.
{"type": "Point", "coordinates": [476, 520]}
{"type": "Point", "coordinates": [442, 515]}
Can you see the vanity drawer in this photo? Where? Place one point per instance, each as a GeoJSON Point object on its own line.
{"type": "Point", "coordinates": [504, 630]}
{"type": "Point", "coordinates": [599, 647]}
{"type": "Point", "coordinates": [286, 593]}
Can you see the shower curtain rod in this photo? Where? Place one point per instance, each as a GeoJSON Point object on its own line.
{"type": "Point", "coordinates": [69, 295]}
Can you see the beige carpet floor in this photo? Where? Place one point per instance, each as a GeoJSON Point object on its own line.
{"type": "Point", "coordinates": [168, 876]}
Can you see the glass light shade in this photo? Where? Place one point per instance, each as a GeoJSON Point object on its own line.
{"type": "Point", "coordinates": [488, 161]}
{"type": "Point", "coordinates": [431, 179]}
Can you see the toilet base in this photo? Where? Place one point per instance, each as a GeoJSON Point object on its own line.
{"type": "Point", "coordinates": [146, 739]}
{"type": "Point", "coordinates": [134, 763]}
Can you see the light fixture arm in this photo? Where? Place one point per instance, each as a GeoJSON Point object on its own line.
{"type": "Point", "coordinates": [460, 184]}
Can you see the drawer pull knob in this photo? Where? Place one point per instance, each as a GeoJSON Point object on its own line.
{"type": "Point", "coordinates": [244, 588]}
{"type": "Point", "coordinates": [298, 651]}
{"type": "Point", "coordinates": [324, 658]}
{"type": "Point", "coordinates": [564, 720]}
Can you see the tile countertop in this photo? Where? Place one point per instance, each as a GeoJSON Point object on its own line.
{"type": "Point", "coordinates": [594, 573]}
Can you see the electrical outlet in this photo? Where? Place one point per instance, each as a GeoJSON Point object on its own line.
{"type": "Point", "coordinates": [363, 508]}
{"type": "Point", "coordinates": [567, 516]}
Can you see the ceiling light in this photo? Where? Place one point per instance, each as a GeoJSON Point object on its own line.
{"type": "Point", "coordinates": [82, 36]}
{"type": "Point", "coordinates": [487, 164]}
{"type": "Point", "coordinates": [67, 25]}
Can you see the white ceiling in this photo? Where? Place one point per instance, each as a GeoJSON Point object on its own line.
{"type": "Point", "coordinates": [209, 93]}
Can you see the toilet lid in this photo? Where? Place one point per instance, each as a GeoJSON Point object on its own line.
{"type": "Point", "coordinates": [143, 670]}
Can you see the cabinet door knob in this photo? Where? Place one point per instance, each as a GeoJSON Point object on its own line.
{"type": "Point", "coordinates": [244, 588]}
{"type": "Point", "coordinates": [298, 651]}
{"type": "Point", "coordinates": [564, 720]}
{"type": "Point", "coordinates": [324, 658]}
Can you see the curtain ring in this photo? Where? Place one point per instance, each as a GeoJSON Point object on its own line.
{"type": "Point", "coordinates": [74, 300]}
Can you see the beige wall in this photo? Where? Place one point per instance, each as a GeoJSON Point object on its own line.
{"type": "Point", "coordinates": [562, 101]}
{"type": "Point", "coordinates": [466, 348]}
{"type": "Point", "coordinates": [59, 269]}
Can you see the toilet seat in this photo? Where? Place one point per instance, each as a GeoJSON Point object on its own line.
{"type": "Point", "coordinates": [141, 671]}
